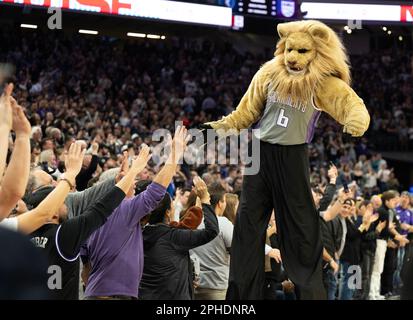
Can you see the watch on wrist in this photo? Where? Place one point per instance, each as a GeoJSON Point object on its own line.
{"type": "Point", "coordinates": [70, 183]}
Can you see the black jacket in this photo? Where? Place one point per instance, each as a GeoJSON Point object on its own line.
{"type": "Point", "coordinates": [167, 268]}
{"type": "Point", "coordinates": [328, 228]}
{"type": "Point", "coordinates": [352, 248]}
{"type": "Point", "coordinates": [61, 243]}
{"type": "Point", "coordinates": [331, 233]}
{"type": "Point", "coordinates": [384, 215]}
{"type": "Point", "coordinates": [368, 239]}
{"type": "Point", "coordinates": [328, 197]}
{"type": "Point", "coordinates": [85, 175]}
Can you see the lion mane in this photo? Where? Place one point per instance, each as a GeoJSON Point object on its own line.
{"type": "Point", "coordinates": [331, 60]}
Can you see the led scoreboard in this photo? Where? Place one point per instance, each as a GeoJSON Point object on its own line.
{"type": "Point", "coordinates": [268, 8]}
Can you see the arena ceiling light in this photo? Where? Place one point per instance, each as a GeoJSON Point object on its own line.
{"type": "Point", "coordinates": [400, 38]}
{"type": "Point", "coordinates": [153, 36]}
{"type": "Point", "coordinates": [136, 35]}
{"type": "Point", "coordinates": [85, 31]}
{"type": "Point", "coordinates": [346, 28]}
{"type": "Point", "coordinates": [28, 26]}
{"type": "Point", "coordinates": [384, 28]}
{"type": "Point", "coordinates": [357, 11]}
{"type": "Point", "coordinates": [349, 31]}
{"type": "Point", "coordinates": [389, 32]}
{"type": "Point", "coordinates": [154, 9]}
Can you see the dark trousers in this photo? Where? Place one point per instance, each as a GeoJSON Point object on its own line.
{"type": "Point", "coordinates": [408, 257]}
{"type": "Point", "coordinates": [282, 183]}
{"type": "Point", "coordinates": [390, 266]}
{"type": "Point", "coordinates": [407, 273]}
{"type": "Point", "coordinates": [367, 262]}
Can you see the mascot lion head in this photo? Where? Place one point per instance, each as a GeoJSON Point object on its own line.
{"type": "Point", "coordinates": [307, 52]}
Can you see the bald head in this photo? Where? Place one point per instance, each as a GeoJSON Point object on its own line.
{"type": "Point", "coordinates": [376, 202]}
{"type": "Point", "coordinates": [39, 178]}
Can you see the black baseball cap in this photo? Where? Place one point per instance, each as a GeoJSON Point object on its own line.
{"type": "Point", "coordinates": [33, 200]}
{"type": "Point", "coordinates": [348, 202]}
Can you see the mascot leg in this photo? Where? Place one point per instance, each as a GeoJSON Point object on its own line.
{"type": "Point", "coordinates": [297, 219]}
{"type": "Point", "coordinates": [282, 183]}
{"type": "Point", "coordinates": [247, 276]}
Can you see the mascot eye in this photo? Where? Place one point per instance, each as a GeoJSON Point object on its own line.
{"type": "Point", "coordinates": [289, 50]}
{"type": "Point", "coordinates": [302, 51]}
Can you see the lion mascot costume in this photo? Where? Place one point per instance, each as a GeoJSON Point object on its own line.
{"type": "Point", "coordinates": [308, 74]}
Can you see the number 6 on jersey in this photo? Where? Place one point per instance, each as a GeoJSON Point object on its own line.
{"type": "Point", "coordinates": [282, 120]}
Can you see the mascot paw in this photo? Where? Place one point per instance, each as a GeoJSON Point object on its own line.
{"type": "Point", "coordinates": [354, 132]}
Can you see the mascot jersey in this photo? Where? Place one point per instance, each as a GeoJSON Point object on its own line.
{"type": "Point", "coordinates": [285, 123]}
{"type": "Point", "coordinates": [308, 74]}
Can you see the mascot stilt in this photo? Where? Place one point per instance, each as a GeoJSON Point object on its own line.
{"type": "Point", "coordinates": [308, 74]}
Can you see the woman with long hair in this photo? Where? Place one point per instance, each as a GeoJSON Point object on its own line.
{"type": "Point", "coordinates": [231, 207]}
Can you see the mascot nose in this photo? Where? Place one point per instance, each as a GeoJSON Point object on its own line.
{"type": "Point", "coordinates": [292, 63]}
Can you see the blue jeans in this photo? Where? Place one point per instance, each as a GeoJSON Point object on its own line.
{"type": "Point", "coordinates": [346, 293]}
{"type": "Point", "coordinates": [397, 281]}
{"type": "Point", "coordinates": [330, 283]}
{"type": "Point", "coordinates": [281, 295]}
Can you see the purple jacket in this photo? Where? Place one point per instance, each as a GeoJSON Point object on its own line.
{"type": "Point", "coordinates": [115, 251]}
{"type": "Point", "coordinates": [405, 216]}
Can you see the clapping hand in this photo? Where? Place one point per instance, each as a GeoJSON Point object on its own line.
{"type": "Point", "coordinates": [141, 160]}
{"type": "Point", "coordinates": [381, 226]}
{"type": "Point", "coordinates": [201, 190]}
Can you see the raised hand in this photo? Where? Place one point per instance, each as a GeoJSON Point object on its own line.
{"type": "Point", "coordinates": [20, 124]}
{"type": "Point", "coordinates": [6, 114]}
{"type": "Point", "coordinates": [178, 194]}
{"type": "Point", "coordinates": [369, 217]}
{"type": "Point", "coordinates": [179, 142]}
{"type": "Point", "coordinates": [95, 147]}
{"type": "Point", "coordinates": [201, 190]}
{"type": "Point", "coordinates": [141, 160]}
{"type": "Point", "coordinates": [74, 160]}
{"type": "Point", "coordinates": [124, 168]}
{"type": "Point", "coordinates": [138, 164]}
{"type": "Point", "coordinates": [332, 173]}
